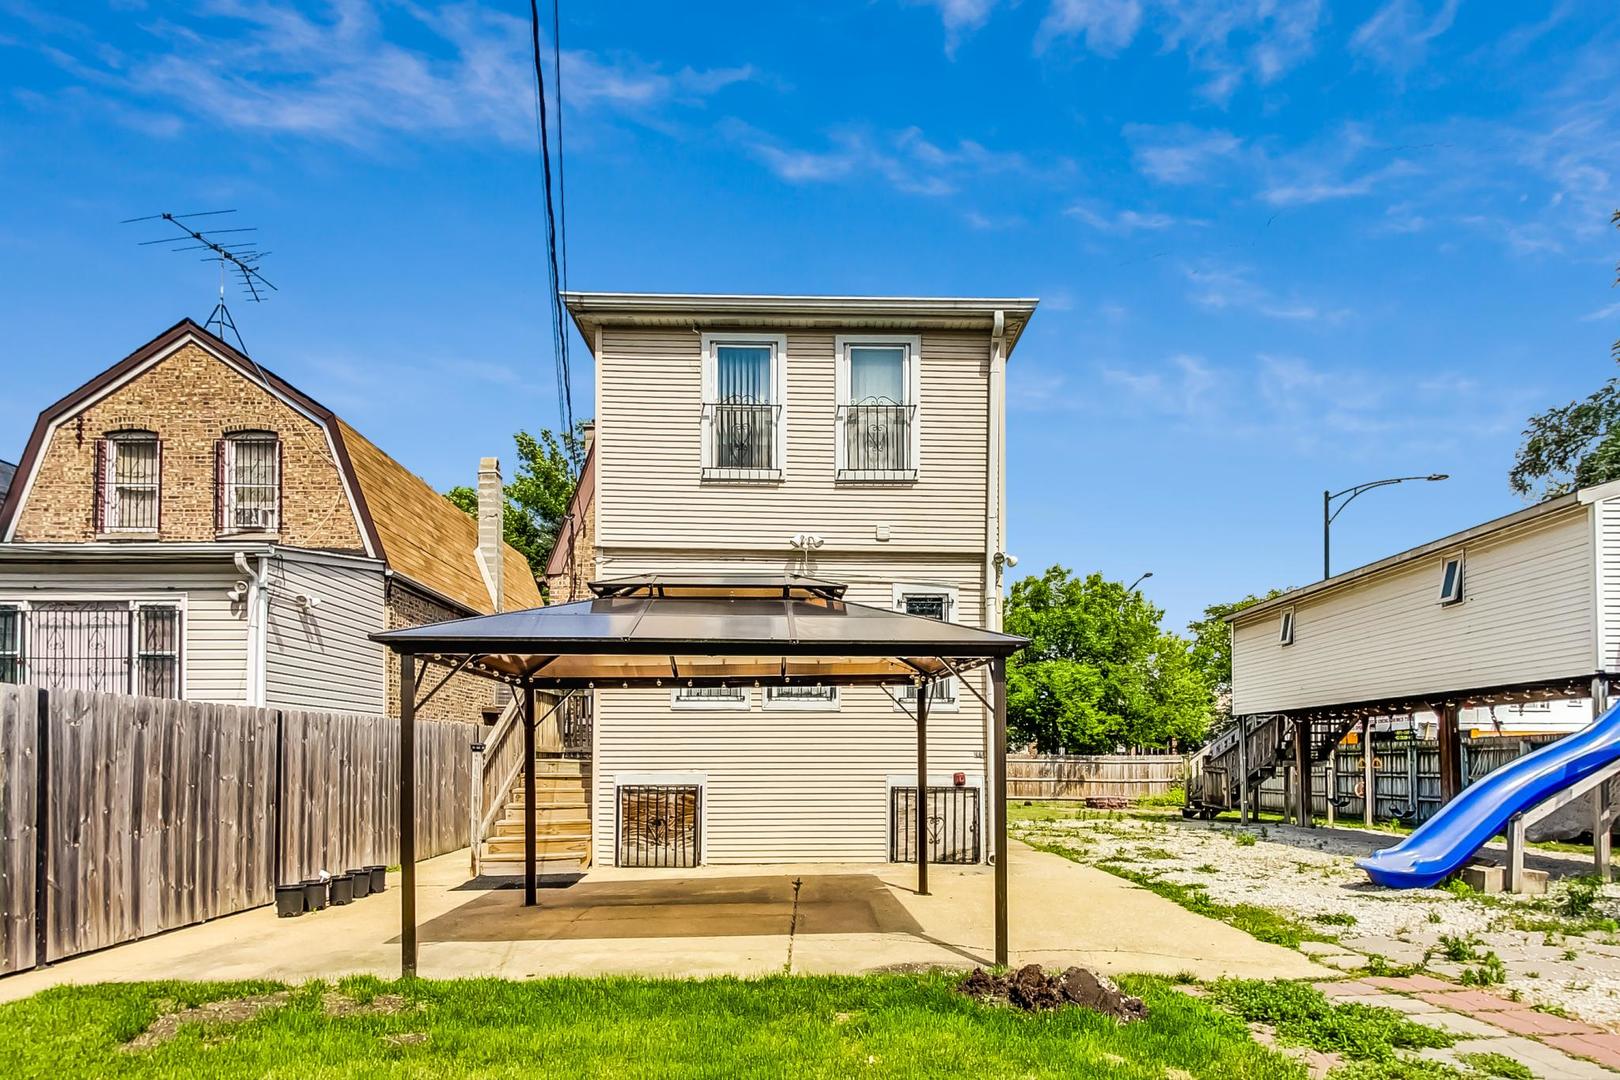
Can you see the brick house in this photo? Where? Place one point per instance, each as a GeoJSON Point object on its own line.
{"type": "Point", "coordinates": [187, 524]}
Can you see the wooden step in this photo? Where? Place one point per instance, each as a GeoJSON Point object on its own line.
{"type": "Point", "coordinates": [562, 815]}
{"type": "Point", "coordinates": [503, 845]}
{"type": "Point", "coordinates": [561, 767]}
{"type": "Point", "coordinates": [551, 793]}
{"type": "Point", "coordinates": [549, 864]}
{"type": "Point", "coordinates": [543, 827]}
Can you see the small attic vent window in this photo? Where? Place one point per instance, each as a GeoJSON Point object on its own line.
{"type": "Point", "coordinates": [1285, 632]}
{"type": "Point", "coordinates": [1451, 581]}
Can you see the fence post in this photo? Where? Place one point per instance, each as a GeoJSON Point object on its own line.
{"type": "Point", "coordinates": [42, 827]}
{"type": "Point", "coordinates": [476, 806]}
{"type": "Point", "coordinates": [1413, 797]}
{"type": "Point", "coordinates": [1369, 779]}
{"type": "Point", "coordinates": [278, 845]}
{"type": "Point", "coordinates": [1332, 785]}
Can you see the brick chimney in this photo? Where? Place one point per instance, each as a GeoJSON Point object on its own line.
{"type": "Point", "coordinates": [587, 431]}
{"type": "Point", "coordinates": [491, 528]}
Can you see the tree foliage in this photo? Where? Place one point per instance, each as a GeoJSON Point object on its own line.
{"type": "Point", "coordinates": [1212, 648]}
{"type": "Point", "coordinates": [1099, 672]}
{"type": "Point", "coordinates": [537, 495]}
{"type": "Point", "coordinates": [1575, 445]}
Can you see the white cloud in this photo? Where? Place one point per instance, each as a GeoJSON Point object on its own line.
{"type": "Point", "coordinates": [1223, 287]}
{"type": "Point", "coordinates": [959, 17]}
{"type": "Point", "coordinates": [1107, 26]}
{"type": "Point", "coordinates": [1122, 222]}
{"type": "Point", "coordinates": [1397, 36]}
{"type": "Point", "coordinates": [1180, 153]}
{"type": "Point", "coordinates": [1187, 386]}
{"type": "Point", "coordinates": [1608, 311]}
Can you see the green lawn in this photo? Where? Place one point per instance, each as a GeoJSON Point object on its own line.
{"type": "Point", "coordinates": [799, 1026]}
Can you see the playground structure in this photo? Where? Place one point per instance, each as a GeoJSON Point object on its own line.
{"type": "Point", "coordinates": [1522, 609]}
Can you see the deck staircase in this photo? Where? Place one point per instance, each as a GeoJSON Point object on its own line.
{"type": "Point", "coordinates": [562, 824]}
{"type": "Point", "coordinates": [1214, 783]}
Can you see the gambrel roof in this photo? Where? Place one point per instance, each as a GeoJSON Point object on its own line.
{"type": "Point", "coordinates": [421, 535]}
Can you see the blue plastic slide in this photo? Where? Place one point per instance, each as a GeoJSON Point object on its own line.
{"type": "Point", "coordinates": [1442, 844]}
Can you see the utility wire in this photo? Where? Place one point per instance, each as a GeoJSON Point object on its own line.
{"type": "Point", "coordinates": [559, 325]}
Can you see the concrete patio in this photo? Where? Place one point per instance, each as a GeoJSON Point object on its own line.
{"type": "Point", "coordinates": [717, 920]}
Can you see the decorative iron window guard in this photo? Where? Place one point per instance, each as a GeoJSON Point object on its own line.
{"type": "Point", "coordinates": [742, 440]}
{"type": "Point", "coordinates": [877, 440]}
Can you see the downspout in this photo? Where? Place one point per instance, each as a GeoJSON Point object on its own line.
{"type": "Point", "coordinates": [258, 618]}
{"type": "Point", "coordinates": [995, 487]}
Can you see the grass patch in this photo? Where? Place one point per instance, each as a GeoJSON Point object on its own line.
{"type": "Point", "coordinates": [1334, 918]}
{"type": "Point", "coordinates": [801, 1026]}
{"type": "Point", "coordinates": [1245, 839]}
{"type": "Point", "coordinates": [1494, 1064]}
{"type": "Point", "coordinates": [1258, 922]}
{"type": "Point", "coordinates": [1303, 1016]}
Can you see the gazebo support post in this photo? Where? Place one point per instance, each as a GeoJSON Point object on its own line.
{"type": "Point", "coordinates": [528, 795]}
{"type": "Point", "coordinates": [924, 689]}
{"type": "Point", "coordinates": [998, 685]}
{"type": "Point", "coordinates": [407, 814]}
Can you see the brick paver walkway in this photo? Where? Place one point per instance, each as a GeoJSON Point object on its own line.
{"type": "Point", "coordinates": [1551, 1046]}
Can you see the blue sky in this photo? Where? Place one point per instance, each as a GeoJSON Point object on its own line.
{"type": "Point", "coordinates": [1281, 246]}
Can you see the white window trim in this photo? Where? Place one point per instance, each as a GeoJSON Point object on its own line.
{"type": "Point", "coordinates": [778, 346]}
{"type": "Point", "coordinates": [770, 704]}
{"type": "Point", "coordinates": [898, 592]}
{"type": "Point", "coordinates": [112, 507]}
{"type": "Point", "coordinates": [230, 528]}
{"type": "Point", "coordinates": [180, 601]}
{"type": "Point", "coordinates": [947, 780]}
{"type": "Point", "coordinates": [1285, 627]}
{"type": "Point", "coordinates": [665, 779]}
{"type": "Point", "coordinates": [1457, 594]}
{"type": "Point", "coordinates": [913, 390]}
{"type": "Point", "coordinates": [711, 704]}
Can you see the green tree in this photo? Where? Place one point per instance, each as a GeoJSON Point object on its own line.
{"type": "Point", "coordinates": [1575, 445]}
{"type": "Point", "coordinates": [1212, 649]}
{"type": "Point", "coordinates": [537, 495]}
{"type": "Point", "coordinates": [1099, 672]}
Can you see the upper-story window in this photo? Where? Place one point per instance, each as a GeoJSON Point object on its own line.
{"type": "Point", "coordinates": [128, 482]}
{"type": "Point", "coordinates": [878, 386]}
{"type": "Point", "coordinates": [1451, 580]}
{"type": "Point", "coordinates": [248, 488]}
{"type": "Point", "coordinates": [744, 392]}
{"type": "Point", "coordinates": [930, 602]}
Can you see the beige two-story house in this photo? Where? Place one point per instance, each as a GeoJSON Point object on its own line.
{"type": "Point", "coordinates": [858, 440]}
{"type": "Point", "coordinates": [187, 524]}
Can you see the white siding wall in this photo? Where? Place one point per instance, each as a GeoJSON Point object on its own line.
{"type": "Point", "coordinates": [215, 660]}
{"type": "Point", "coordinates": [1527, 615]}
{"type": "Point", "coordinates": [320, 657]}
{"type": "Point", "coordinates": [649, 452]}
{"type": "Point", "coordinates": [1606, 520]}
{"type": "Point", "coordinates": [791, 786]}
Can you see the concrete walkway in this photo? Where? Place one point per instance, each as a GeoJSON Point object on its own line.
{"type": "Point", "coordinates": [714, 920]}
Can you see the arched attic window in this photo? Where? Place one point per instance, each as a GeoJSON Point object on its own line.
{"type": "Point", "coordinates": [247, 489]}
{"type": "Point", "coordinates": [129, 491]}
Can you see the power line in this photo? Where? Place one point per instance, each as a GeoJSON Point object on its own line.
{"type": "Point", "coordinates": [559, 325]}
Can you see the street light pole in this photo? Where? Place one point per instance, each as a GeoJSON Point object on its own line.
{"type": "Point", "coordinates": [1137, 582]}
{"type": "Point", "coordinates": [1329, 512]}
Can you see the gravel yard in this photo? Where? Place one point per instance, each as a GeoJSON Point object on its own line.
{"type": "Point", "coordinates": [1560, 952]}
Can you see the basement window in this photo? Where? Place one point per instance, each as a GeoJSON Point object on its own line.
{"type": "Point", "coordinates": [1285, 632]}
{"type": "Point", "coordinates": [1451, 581]}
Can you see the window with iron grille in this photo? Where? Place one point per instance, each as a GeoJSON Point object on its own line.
{"type": "Point", "coordinates": [710, 697]}
{"type": "Point", "coordinates": [249, 471]}
{"type": "Point", "coordinates": [129, 467]}
{"type": "Point", "coordinates": [929, 602]}
{"type": "Point", "coordinates": [743, 390]}
{"type": "Point", "coordinates": [658, 825]}
{"type": "Point", "coordinates": [801, 697]}
{"type": "Point", "coordinates": [876, 420]}
{"type": "Point", "coordinates": [953, 824]}
{"type": "Point", "coordinates": [107, 646]}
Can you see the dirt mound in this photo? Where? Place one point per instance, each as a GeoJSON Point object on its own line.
{"type": "Point", "coordinates": [229, 1011]}
{"type": "Point", "coordinates": [1033, 990]}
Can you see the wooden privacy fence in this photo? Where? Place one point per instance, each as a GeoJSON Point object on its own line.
{"type": "Point", "coordinates": [122, 817]}
{"type": "Point", "coordinates": [1406, 775]}
{"type": "Point", "coordinates": [1127, 776]}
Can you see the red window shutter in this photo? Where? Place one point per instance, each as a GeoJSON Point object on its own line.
{"type": "Point", "coordinates": [279, 460]}
{"type": "Point", "coordinates": [219, 485]}
{"type": "Point", "coordinates": [100, 511]}
{"type": "Point", "coordinates": [157, 495]}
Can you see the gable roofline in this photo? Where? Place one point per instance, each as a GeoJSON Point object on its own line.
{"type": "Point", "coordinates": [1548, 507]}
{"type": "Point", "coordinates": [133, 364]}
{"type": "Point", "coordinates": [592, 310]}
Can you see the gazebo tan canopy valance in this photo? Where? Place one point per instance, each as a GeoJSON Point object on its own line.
{"type": "Point", "coordinates": [700, 630]}
{"type": "Point", "coordinates": [711, 630]}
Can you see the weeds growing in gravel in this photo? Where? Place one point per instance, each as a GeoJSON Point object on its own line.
{"type": "Point", "coordinates": [1334, 918]}
{"type": "Point", "coordinates": [1245, 839]}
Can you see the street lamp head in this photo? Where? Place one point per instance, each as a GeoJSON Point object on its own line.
{"type": "Point", "coordinates": [1147, 575]}
{"type": "Point", "coordinates": [1438, 476]}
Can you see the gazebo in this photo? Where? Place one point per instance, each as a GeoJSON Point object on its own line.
{"type": "Point", "coordinates": [699, 630]}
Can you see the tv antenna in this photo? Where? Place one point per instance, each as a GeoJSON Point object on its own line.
{"type": "Point", "coordinates": [240, 262]}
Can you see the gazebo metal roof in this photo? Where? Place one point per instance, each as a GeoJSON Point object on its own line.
{"type": "Point", "coordinates": [705, 630]}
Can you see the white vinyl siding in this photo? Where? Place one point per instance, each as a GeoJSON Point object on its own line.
{"type": "Point", "coordinates": [214, 656]}
{"type": "Point", "coordinates": [318, 655]}
{"type": "Point", "coordinates": [1526, 616]}
{"type": "Point", "coordinates": [789, 784]}
{"type": "Point", "coordinates": [650, 489]}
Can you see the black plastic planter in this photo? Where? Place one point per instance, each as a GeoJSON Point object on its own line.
{"type": "Point", "coordinates": [314, 894]}
{"type": "Point", "coordinates": [342, 889]}
{"type": "Point", "coordinates": [361, 882]}
{"type": "Point", "coordinates": [379, 878]}
{"type": "Point", "coordinates": [289, 901]}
